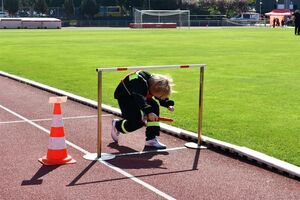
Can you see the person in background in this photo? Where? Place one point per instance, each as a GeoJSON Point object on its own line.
{"type": "Point", "coordinates": [277, 22]}
{"type": "Point", "coordinates": [296, 17]}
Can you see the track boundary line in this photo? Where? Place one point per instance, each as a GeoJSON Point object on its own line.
{"type": "Point", "coordinates": [271, 162]}
{"type": "Point", "coordinates": [117, 169]}
{"type": "Point", "coordinates": [50, 119]}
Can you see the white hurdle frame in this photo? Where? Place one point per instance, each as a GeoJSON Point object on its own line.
{"type": "Point", "coordinates": [105, 156]}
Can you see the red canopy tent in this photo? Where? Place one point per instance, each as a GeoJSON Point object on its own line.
{"type": "Point", "coordinates": [279, 14]}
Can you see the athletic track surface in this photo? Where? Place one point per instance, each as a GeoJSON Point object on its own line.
{"type": "Point", "coordinates": [177, 173]}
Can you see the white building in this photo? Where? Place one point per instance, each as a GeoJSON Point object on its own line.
{"type": "Point", "coordinates": [32, 23]}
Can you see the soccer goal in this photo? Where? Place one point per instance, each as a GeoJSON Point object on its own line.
{"type": "Point", "coordinates": [179, 18]}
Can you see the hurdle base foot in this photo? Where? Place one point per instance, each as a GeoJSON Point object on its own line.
{"type": "Point", "coordinates": [94, 156]}
{"type": "Point", "coordinates": [193, 145]}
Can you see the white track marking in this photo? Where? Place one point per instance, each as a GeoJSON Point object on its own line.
{"type": "Point", "coordinates": [139, 181]}
{"type": "Point", "coordinates": [117, 169]}
{"type": "Point", "coordinates": [50, 119]}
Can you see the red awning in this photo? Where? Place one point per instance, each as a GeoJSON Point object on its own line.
{"type": "Point", "coordinates": [279, 12]}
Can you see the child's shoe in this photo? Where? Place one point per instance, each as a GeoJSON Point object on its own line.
{"type": "Point", "coordinates": [114, 132]}
{"type": "Point", "coordinates": [155, 143]}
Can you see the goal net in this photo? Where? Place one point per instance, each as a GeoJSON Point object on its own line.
{"type": "Point", "coordinates": [180, 17]}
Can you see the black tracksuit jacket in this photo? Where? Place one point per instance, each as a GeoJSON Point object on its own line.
{"type": "Point", "coordinates": [133, 97]}
{"type": "Point", "coordinates": [136, 85]}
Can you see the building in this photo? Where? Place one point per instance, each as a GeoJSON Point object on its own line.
{"type": "Point", "coordinates": [264, 6]}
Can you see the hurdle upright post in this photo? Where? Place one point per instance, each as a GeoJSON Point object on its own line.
{"type": "Point", "coordinates": [200, 110]}
{"type": "Point", "coordinates": [99, 111]}
{"type": "Point", "coordinates": [99, 155]}
{"type": "Point", "coordinates": [200, 113]}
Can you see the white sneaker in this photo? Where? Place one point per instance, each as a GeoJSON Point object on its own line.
{"type": "Point", "coordinates": [114, 132]}
{"type": "Point", "coordinates": [155, 143]}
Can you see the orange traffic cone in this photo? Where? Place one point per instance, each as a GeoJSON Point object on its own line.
{"type": "Point", "coordinates": [57, 149]}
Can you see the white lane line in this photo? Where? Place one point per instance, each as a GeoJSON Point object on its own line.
{"type": "Point", "coordinates": [133, 178]}
{"type": "Point", "coordinates": [146, 185]}
{"type": "Point", "coordinates": [50, 119]}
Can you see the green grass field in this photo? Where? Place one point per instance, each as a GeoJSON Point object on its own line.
{"type": "Point", "coordinates": [252, 79]}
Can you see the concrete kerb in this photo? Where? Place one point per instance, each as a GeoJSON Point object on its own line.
{"type": "Point", "coordinates": [271, 162]}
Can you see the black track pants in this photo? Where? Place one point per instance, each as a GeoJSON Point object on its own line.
{"type": "Point", "coordinates": [133, 117]}
{"type": "Point", "coordinates": [297, 29]}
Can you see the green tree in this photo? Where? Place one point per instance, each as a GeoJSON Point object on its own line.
{"type": "Point", "coordinates": [55, 3]}
{"type": "Point", "coordinates": [69, 8]}
{"type": "Point", "coordinates": [77, 3]}
{"type": "Point", "coordinates": [161, 4]}
{"type": "Point", "coordinates": [41, 6]}
{"type": "Point", "coordinates": [225, 7]}
{"type": "Point", "coordinates": [12, 6]}
{"type": "Point", "coordinates": [89, 8]}
{"type": "Point", "coordinates": [136, 3]}
{"type": "Point", "coordinates": [107, 2]}
{"type": "Point", "coordinates": [25, 4]}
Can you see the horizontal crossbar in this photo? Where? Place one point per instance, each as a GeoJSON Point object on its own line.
{"type": "Point", "coordinates": [151, 67]}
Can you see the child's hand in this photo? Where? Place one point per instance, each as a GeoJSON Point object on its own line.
{"type": "Point", "coordinates": [171, 108]}
{"type": "Point", "coordinates": [152, 117]}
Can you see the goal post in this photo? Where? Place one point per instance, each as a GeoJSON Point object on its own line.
{"type": "Point", "coordinates": [180, 17]}
{"type": "Point", "coordinates": [105, 156]}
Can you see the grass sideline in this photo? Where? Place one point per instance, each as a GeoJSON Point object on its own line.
{"type": "Point", "coordinates": [252, 84]}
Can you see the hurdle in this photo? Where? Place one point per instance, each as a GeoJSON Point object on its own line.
{"type": "Point", "coordinates": [106, 156]}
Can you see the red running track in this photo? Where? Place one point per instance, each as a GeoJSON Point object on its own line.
{"type": "Point", "coordinates": [180, 173]}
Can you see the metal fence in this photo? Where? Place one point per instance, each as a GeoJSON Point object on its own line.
{"type": "Point", "coordinates": [126, 22]}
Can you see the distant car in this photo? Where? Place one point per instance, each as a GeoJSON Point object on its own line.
{"type": "Point", "coordinates": [3, 14]}
{"type": "Point", "coordinates": [247, 16]}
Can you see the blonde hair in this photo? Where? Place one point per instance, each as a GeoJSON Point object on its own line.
{"type": "Point", "coordinates": [162, 84]}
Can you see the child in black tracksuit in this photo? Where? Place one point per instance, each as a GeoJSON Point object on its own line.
{"type": "Point", "coordinates": [139, 95]}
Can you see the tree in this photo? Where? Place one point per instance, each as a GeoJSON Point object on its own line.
{"type": "Point", "coordinates": [69, 8]}
{"type": "Point", "coordinates": [12, 6]}
{"type": "Point", "coordinates": [225, 7]}
{"type": "Point", "coordinates": [161, 4]}
{"type": "Point", "coordinates": [25, 4]}
{"type": "Point", "coordinates": [191, 5]}
{"type": "Point", "coordinates": [41, 6]}
{"type": "Point", "coordinates": [77, 3]}
{"type": "Point", "coordinates": [107, 2]}
{"type": "Point", "coordinates": [136, 3]}
{"type": "Point", "coordinates": [55, 3]}
{"type": "Point", "coordinates": [89, 8]}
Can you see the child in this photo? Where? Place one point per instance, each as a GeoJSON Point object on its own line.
{"type": "Point", "coordinates": [139, 95]}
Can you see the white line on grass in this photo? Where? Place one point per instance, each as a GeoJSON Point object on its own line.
{"type": "Point", "coordinates": [146, 185]}
{"type": "Point", "coordinates": [50, 119]}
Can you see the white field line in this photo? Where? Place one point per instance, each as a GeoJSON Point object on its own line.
{"type": "Point", "coordinates": [50, 119]}
{"type": "Point", "coordinates": [117, 169]}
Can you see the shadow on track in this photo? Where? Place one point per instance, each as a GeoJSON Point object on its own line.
{"type": "Point", "coordinates": [125, 178]}
{"type": "Point", "coordinates": [139, 161]}
{"type": "Point", "coordinates": [35, 180]}
{"type": "Point", "coordinates": [196, 159]}
{"type": "Point", "coordinates": [77, 178]}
